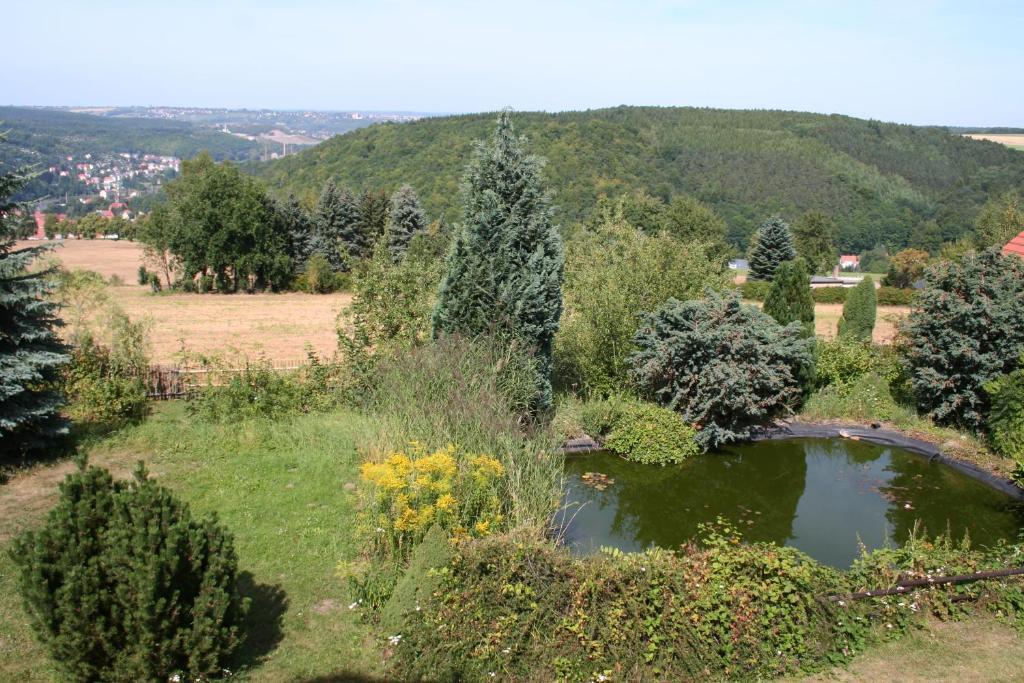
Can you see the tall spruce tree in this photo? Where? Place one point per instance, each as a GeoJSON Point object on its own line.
{"type": "Point", "coordinates": [405, 220]}
{"type": "Point", "coordinates": [373, 220]}
{"type": "Point", "coordinates": [773, 245]}
{"type": "Point", "coordinates": [504, 270]}
{"type": "Point", "coordinates": [299, 227]}
{"type": "Point", "coordinates": [789, 298]}
{"type": "Point", "coordinates": [859, 311]}
{"type": "Point", "coordinates": [337, 228]}
{"type": "Point", "coordinates": [31, 353]}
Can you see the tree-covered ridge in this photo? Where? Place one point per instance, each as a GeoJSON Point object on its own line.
{"type": "Point", "coordinates": [879, 181]}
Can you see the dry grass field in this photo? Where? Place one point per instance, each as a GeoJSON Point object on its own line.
{"type": "Point", "coordinates": [1010, 140]}
{"type": "Point", "coordinates": [275, 326]}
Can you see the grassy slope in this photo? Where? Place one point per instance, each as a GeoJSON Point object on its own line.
{"type": "Point", "coordinates": [746, 164]}
{"type": "Point", "coordinates": [279, 487]}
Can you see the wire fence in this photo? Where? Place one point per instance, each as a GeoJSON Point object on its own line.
{"type": "Point", "coordinates": [164, 382]}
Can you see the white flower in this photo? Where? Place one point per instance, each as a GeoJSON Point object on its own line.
{"type": "Point", "coordinates": [354, 605]}
{"type": "Point", "coordinates": [174, 678]}
{"type": "Point", "coordinates": [507, 650]}
{"type": "Point", "coordinates": [395, 640]}
{"type": "Point", "coordinates": [842, 604]}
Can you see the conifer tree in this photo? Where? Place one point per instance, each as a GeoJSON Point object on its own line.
{"type": "Point", "coordinates": [299, 227]}
{"type": "Point", "coordinates": [773, 245]}
{"type": "Point", "coordinates": [789, 298]}
{"type": "Point", "coordinates": [814, 235]}
{"type": "Point", "coordinates": [123, 584]}
{"type": "Point", "coordinates": [31, 353]}
{"type": "Point", "coordinates": [337, 230]}
{"type": "Point", "coordinates": [504, 270]}
{"type": "Point", "coordinates": [859, 311]}
{"type": "Point", "coordinates": [405, 220]}
{"type": "Point", "coordinates": [373, 221]}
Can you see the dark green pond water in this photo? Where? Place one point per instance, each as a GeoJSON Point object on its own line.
{"type": "Point", "coordinates": [822, 496]}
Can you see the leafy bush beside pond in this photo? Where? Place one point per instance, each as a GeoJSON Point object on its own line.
{"type": "Point", "coordinates": [1006, 417]}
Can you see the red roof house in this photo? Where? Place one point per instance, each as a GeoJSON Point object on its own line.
{"type": "Point", "coordinates": [1015, 246]}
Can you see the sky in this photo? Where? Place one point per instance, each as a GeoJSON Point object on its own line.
{"type": "Point", "coordinates": [953, 63]}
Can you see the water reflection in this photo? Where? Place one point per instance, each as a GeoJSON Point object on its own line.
{"type": "Point", "coordinates": [822, 496]}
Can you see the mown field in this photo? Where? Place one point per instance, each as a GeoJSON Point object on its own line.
{"type": "Point", "coordinates": [275, 326]}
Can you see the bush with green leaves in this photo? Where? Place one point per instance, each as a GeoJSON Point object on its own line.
{"type": "Point", "coordinates": [905, 268]}
{"type": "Point", "coordinates": [965, 330]}
{"type": "Point", "coordinates": [726, 366]}
{"type": "Point", "coordinates": [841, 361]}
{"type": "Point", "coordinates": [318, 277]}
{"type": "Point", "coordinates": [829, 295]}
{"type": "Point", "coordinates": [893, 296]}
{"type": "Point", "coordinates": [755, 290]}
{"type": "Point", "coordinates": [1006, 415]}
{"type": "Point", "coordinates": [789, 297]}
{"type": "Point", "coordinates": [651, 435]}
{"type": "Point", "coordinates": [859, 311]}
{"type": "Point", "coordinates": [122, 583]}
{"type": "Point", "coordinates": [614, 272]}
{"type": "Point", "coordinates": [867, 398]}
{"type": "Point", "coordinates": [105, 385]}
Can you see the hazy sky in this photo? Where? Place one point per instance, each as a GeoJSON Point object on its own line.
{"type": "Point", "coordinates": [915, 62]}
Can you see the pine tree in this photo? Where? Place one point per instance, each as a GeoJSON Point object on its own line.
{"type": "Point", "coordinates": [859, 310]}
{"type": "Point", "coordinates": [814, 235]}
{"type": "Point", "coordinates": [300, 230]}
{"type": "Point", "coordinates": [789, 298]}
{"type": "Point", "coordinates": [772, 246]}
{"type": "Point", "coordinates": [373, 221]}
{"type": "Point", "coordinates": [31, 353]}
{"type": "Point", "coordinates": [406, 219]}
{"type": "Point", "coordinates": [123, 584]}
{"type": "Point", "coordinates": [337, 230]}
{"type": "Point", "coordinates": [504, 270]}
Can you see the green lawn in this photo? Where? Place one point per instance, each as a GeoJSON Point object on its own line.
{"type": "Point", "coordinates": [280, 488]}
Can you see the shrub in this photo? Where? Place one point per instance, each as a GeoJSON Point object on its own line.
{"type": "Point", "coordinates": [143, 275]}
{"type": "Point", "coordinates": [859, 311]}
{"type": "Point", "coordinates": [906, 267]}
{"type": "Point", "coordinates": [868, 397]}
{"type": "Point", "coordinates": [725, 365]}
{"type": "Point", "coordinates": [842, 361]}
{"type": "Point", "coordinates": [421, 578]}
{"type": "Point", "coordinates": [652, 435]}
{"type": "Point", "coordinates": [122, 583]}
{"type": "Point", "coordinates": [154, 282]}
{"type": "Point", "coordinates": [105, 385]}
{"type": "Point", "coordinates": [115, 280]}
{"type": "Point", "coordinates": [261, 391]}
{"type": "Point", "coordinates": [1006, 416]}
{"type": "Point", "coordinates": [830, 295]}
{"type": "Point", "coordinates": [966, 329]}
{"type": "Point", "coordinates": [531, 612]}
{"type": "Point", "coordinates": [318, 277]}
{"type": "Point", "coordinates": [613, 273]}
{"type": "Point", "coordinates": [892, 296]}
{"type": "Point", "coordinates": [755, 290]}
{"type": "Point", "coordinates": [410, 491]}
{"type": "Point", "coordinates": [789, 298]}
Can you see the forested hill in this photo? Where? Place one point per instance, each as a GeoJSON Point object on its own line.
{"type": "Point", "coordinates": [39, 135]}
{"type": "Point", "coordinates": [882, 182]}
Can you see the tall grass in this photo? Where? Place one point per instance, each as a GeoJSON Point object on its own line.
{"type": "Point", "coordinates": [474, 394]}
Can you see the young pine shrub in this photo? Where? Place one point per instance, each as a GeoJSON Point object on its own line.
{"type": "Point", "coordinates": [123, 584]}
{"type": "Point", "coordinates": [726, 366]}
{"type": "Point", "coordinates": [859, 311]}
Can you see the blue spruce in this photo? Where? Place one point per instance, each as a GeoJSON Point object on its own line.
{"type": "Point", "coordinates": [31, 354]}
{"type": "Point", "coordinates": [504, 270]}
{"type": "Point", "coordinates": [773, 245]}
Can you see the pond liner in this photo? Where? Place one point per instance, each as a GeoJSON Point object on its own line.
{"type": "Point", "coordinates": [877, 436]}
{"type": "Point", "coordinates": [885, 437]}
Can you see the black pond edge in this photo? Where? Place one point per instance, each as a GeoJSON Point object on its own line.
{"type": "Point", "coordinates": [878, 436]}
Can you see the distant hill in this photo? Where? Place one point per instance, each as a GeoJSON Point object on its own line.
{"type": "Point", "coordinates": [42, 137]}
{"type": "Point", "coordinates": [880, 181]}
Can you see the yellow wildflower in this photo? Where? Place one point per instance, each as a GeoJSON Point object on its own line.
{"type": "Point", "coordinates": [446, 502]}
{"type": "Point", "coordinates": [485, 465]}
{"type": "Point", "coordinates": [482, 528]}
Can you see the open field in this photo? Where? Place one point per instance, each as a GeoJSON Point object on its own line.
{"type": "Point", "coordinates": [275, 326]}
{"type": "Point", "coordinates": [1010, 140]}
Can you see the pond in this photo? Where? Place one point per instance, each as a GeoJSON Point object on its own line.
{"type": "Point", "coordinates": [823, 496]}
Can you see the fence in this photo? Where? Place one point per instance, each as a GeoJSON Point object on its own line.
{"type": "Point", "coordinates": [165, 382]}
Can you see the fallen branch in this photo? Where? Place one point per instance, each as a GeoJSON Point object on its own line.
{"type": "Point", "coordinates": [911, 584]}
